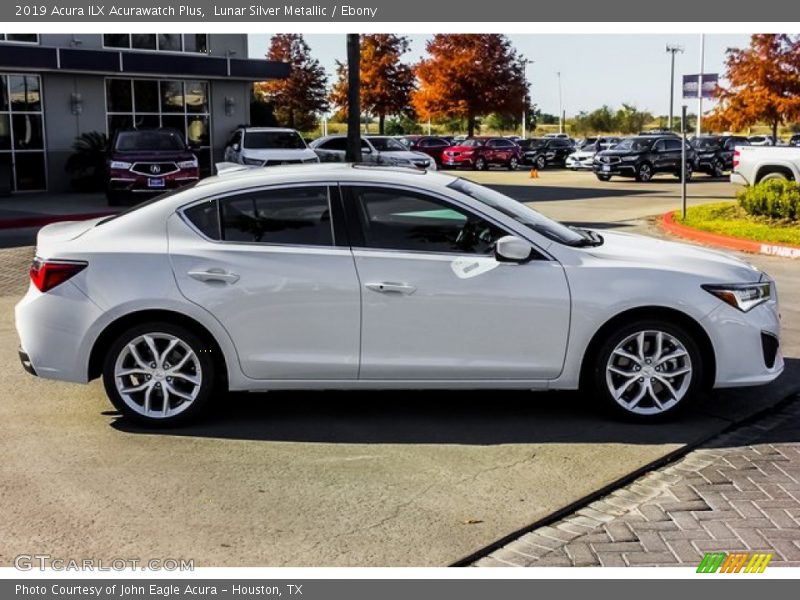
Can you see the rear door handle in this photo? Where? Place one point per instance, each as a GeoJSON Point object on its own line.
{"type": "Point", "coordinates": [214, 275]}
{"type": "Point", "coordinates": [387, 287]}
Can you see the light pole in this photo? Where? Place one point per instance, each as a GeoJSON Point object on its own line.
{"type": "Point", "coordinates": [672, 49]}
{"type": "Point", "coordinates": [560, 106]}
{"type": "Point", "coordinates": [700, 85]}
{"type": "Point", "coordinates": [524, 62]}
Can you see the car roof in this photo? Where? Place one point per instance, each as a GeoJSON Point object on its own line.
{"type": "Point", "coordinates": [321, 172]}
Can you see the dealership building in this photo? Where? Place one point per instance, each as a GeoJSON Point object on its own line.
{"type": "Point", "coordinates": [55, 87]}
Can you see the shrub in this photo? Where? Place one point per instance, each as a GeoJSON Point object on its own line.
{"type": "Point", "coordinates": [773, 199]}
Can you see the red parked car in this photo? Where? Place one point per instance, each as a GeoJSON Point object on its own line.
{"type": "Point", "coordinates": [147, 161]}
{"type": "Point", "coordinates": [432, 146]}
{"type": "Point", "coordinates": [480, 152]}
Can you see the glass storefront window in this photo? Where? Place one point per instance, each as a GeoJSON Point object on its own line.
{"type": "Point", "coordinates": [26, 38]}
{"type": "Point", "coordinates": [143, 41]}
{"type": "Point", "coordinates": [23, 91]}
{"type": "Point", "coordinates": [180, 105]}
{"type": "Point", "coordinates": [164, 42]}
{"type": "Point", "coordinates": [22, 143]}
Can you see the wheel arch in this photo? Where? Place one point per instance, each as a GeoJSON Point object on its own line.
{"type": "Point", "coordinates": [103, 342]}
{"type": "Point", "coordinates": [669, 315]}
{"type": "Point", "coordinates": [765, 170]}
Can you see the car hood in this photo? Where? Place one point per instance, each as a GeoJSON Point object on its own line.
{"type": "Point", "coordinates": [462, 148]}
{"type": "Point", "coordinates": [405, 155]}
{"type": "Point", "coordinates": [279, 153]}
{"type": "Point", "coordinates": [153, 155]}
{"type": "Point", "coordinates": [581, 154]}
{"type": "Point", "coordinates": [647, 252]}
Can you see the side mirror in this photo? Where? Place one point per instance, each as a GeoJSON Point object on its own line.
{"type": "Point", "coordinates": [512, 249]}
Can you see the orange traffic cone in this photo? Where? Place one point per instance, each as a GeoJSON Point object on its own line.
{"type": "Point", "coordinates": [534, 173]}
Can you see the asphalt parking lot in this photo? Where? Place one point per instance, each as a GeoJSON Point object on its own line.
{"type": "Point", "coordinates": [325, 479]}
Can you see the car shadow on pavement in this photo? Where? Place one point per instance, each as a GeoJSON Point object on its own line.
{"type": "Point", "coordinates": [468, 417]}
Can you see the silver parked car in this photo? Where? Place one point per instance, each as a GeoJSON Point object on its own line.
{"type": "Point", "coordinates": [379, 149]}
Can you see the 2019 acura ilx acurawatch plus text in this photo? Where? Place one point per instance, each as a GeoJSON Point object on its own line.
{"type": "Point", "coordinates": [339, 277]}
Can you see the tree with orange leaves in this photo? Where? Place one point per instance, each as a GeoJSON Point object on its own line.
{"type": "Point", "coordinates": [298, 98]}
{"type": "Point", "coordinates": [764, 84]}
{"type": "Point", "coordinates": [469, 75]}
{"type": "Point", "coordinates": [386, 82]}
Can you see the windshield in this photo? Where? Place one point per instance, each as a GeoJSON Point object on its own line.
{"type": "Point", "coordinates": [387, 144]}
{"type": "Point", "coordinates": [472, 143]}
{"type": "Point", "coordinates": [634, 144]}
{"type": "Point", "coordinates": [706, 143]}
{"type": "Point", "coordinates": [158, 140]}
{"type": "Point", "coordinates": [552, 230]}
{"type": "Point", "coordinates": [280, 140]}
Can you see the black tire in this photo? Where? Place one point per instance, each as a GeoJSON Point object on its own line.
{"type": "Point", "coordinates": [644, 172]}
{"type": "Point", "coordinates": [717, 168]}
{"type": "Point", "coordinates": [602, 177]}
{"type": "Point", "coordinates": [205, 363]}
{"type": "Point", "coordinates": [598, 379]}
{"type": "Point", "coordinates": [513, 163]}
{"type": "Point", "coordinates": [689, 172]}
{"type": "Point", "coordinates": [540, 162]}
{"type": "Point", "coordinates": [481, 164]}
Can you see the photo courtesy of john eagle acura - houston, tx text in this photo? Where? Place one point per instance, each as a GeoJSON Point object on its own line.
{"type": "Point", "coordinates": [339, 276]}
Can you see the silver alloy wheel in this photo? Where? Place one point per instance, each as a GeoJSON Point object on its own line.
{"type": "Point", "coordinates": [649, 372]}
{"type": "Point", "coordinates": [645, 173]}
{"type": "Point", "coordinates": [158, 375]}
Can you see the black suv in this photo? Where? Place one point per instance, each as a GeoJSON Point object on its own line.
{"type": "Point", "coordinates": [795, 140]}
{"type": "Point", "coordinates": [715, 152]}
{"type": "Point", "coordinates": [542, 152]}
{"type": "Point", "coordinates": [643, 156]}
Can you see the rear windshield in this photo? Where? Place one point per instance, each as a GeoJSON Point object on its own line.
{"type": "Point", "coordinates": [159, 140]}
{"type": "Point", "coordinates": [279, 140]}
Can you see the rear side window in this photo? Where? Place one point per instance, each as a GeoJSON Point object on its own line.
{"type": "Point", "coordinates": [205, 217]}
{"type": "Point", "coordinates": [293, 216]}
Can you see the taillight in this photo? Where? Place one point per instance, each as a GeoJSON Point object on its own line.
{"type": "Point", "coordinates": [47, 274]}
{"type": "Point", "coordinates": [736, 154]}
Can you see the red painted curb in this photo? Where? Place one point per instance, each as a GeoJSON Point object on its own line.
{"type": "Point", "coordinates": [669, 225]}
{"type": "Point", "coordinates": [41, 221]}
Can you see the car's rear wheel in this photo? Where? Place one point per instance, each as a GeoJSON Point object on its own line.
{"type": "Point", "coordinates": [775, 176]}
{"type": "Point", "coordinates": [644, 172]}
{"type": "Point", "coordinates": [159, 374]}
{"type": "Point", "coordinates": [647, 370]}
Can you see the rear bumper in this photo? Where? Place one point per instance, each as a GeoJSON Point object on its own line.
{"type": "Point", "coordinates": [739, 179]}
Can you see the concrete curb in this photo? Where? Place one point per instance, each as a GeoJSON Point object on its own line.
{"type": "Point", "coordinates": [42, 220]}
{"type": "Point", "coordinates": [670, 225]}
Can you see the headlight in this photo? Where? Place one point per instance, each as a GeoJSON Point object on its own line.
{"type": "Point", "coordinates": [629, 158]}
{"type": "Point", "coordinates": [744, 296]}
{"type": "Point", "coordinates": [188, 164]}
{"type": "Point", "coordinates": [118, 164]}
{"type": "Point", "coordinates": [253, 161]}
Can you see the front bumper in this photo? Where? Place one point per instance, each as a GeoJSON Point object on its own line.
{"type": "Point", "coordinates": [623, 169]}
{"type": "Point", "coordinates": [580, 164]}
{"type": "Point", "coordinates": [129, 181]}
{"type": "Point", "coordinates": [458, 161]}
{"type": "Point", "coordinates": [747, 345]}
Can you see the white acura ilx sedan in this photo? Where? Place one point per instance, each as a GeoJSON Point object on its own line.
{"type": "Point", "coordinates": [340, 276]}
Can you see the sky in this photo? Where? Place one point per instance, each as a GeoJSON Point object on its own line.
{"type": "Point", "coordinates": [595, 69]}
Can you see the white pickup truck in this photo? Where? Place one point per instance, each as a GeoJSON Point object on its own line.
{"type": "Point", "coordinates": [754, 164]}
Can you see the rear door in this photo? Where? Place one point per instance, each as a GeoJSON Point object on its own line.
{"type": "Point", "coordinates": [274, 269]}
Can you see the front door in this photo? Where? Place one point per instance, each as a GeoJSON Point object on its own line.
{"type": "Point", "coordinates": [267, 265]}
{"type": "Point", "coordinates": [436, 305]}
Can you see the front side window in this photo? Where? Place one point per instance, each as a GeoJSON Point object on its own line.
{"type": "Point", "coordinates": [383, 144]}
{"type": "Point", "coordinates": [334, 144]}
{"type": "Point", "coordinates": [395, 219]}
{"type": "Point", "coordinates": [293, 216]}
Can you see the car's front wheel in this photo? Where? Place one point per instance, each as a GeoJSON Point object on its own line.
{"type": "Point", "coordinates": [647, 370]}
{"type": "Point", "coordinates": [603, 177]}
{"type": "Point", "coordinates": [540, 162]}
{"type": "Point", "coordinates": [513, 163]}
{"type": "Point", "coordinates": [644, 172]}
{"type": "Point", "coordinates": [159, 374]}
{"type": "Point", "coordinates": [481, 164]}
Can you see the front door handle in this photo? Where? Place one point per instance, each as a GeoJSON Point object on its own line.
{"type": "Point", "coordinates": [214, 275]}
{"type": "Point", "coordinates": [387, 287]}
